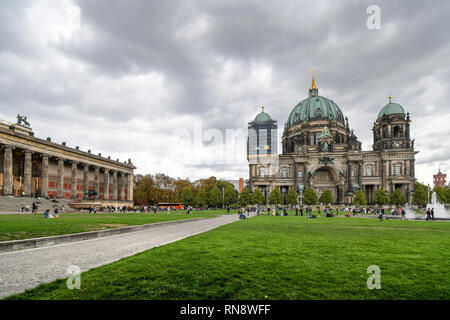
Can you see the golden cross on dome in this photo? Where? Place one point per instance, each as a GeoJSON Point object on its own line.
{"type": "Point", "coordinates": [313, 83]}
{"type": "Point", "coordinates": [262, 108]}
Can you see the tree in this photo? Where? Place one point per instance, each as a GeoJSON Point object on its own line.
{"type": "Point", "coordinates": [180, 185]}
{"type": "Point", "coordinates": [292, 197]}
{"type": "Point", "coordinates": [381, 197]}
{"type": "Point", "coordinates": [258, 197]}
{"type": "Point", "coordinates": [360, 198]}
{"type": "Point", "coordinates": [326, 197]}
{"type": "Point", "coordinates": [309, 197]}
{"type": "Point", "coordinates": [420, 196]}
{"type": "Point", "coordinates": [201, 198]}
{"type": "Point", "coordinates": [398, 198]}
{"type": "Point", "coordinates": [447, 195]}
{"type": "Point", "coordinates": [215, 197]}
{"type": "Point", "coordinates": [145, 191]}
{"type": "Point", "coordinates": [275, 197]}
{"type": "Point", "coordinates": [207, 184]}
{"type": "Point", "coordinates": [187, 197]}
{"type": "Point", "coordinates": [245, 198]}
{"type": "Point", "coordinates": [230, 195]}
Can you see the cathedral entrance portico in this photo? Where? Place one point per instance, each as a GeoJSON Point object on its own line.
{"type": "Point", "coordinates": [326, 178]}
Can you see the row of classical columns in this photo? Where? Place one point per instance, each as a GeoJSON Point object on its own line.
{"type": "Point", "coordinates": [118, 178]}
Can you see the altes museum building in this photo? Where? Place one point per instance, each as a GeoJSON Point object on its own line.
{"type": "Point", "coordinates": [30, 166]}
{"type": "Point", "coordinates": [321, 151]}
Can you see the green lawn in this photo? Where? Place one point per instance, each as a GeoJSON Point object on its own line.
{"type": "Point", "coordinates": [279, 258]}
{"type": "Point", "coordinates": [21, 226]}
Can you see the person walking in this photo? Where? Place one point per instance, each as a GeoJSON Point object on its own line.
{"type": "Point", "coordinates": [296, 211]}
{"type": "Point", "coordinates": [403, 214]}
{"type": "Point", "coordinates": [428, 214]}
{"type": "Point", "coordinates": [268, 211]}
{"type": "Point", "coordinates": [35, 208]}
{"type": "Point", "coordinates": [432, 214]}
{"type": "Point", "coordinates": [55, 212]}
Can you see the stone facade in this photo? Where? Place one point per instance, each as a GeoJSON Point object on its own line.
{"type": "Point", "coordinates": [320, 151]}
{"type": "Point", "coordinates": [35, 167]}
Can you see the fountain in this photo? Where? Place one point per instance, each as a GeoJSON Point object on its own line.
{"type": "Point", "coordinates": [439, 209]}
{"type": "Point", "coordinates": [410, 213]}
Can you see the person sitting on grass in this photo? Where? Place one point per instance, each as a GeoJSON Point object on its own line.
{"type": "Point", "coordinates": [47, 214]}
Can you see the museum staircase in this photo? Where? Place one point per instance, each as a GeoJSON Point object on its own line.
{"type": "Point", "coordinates": [11, 204]}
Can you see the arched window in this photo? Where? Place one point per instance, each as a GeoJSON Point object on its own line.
{"type": "Point", "coordinates": [397, 132]}
{"type": "Point", "coordinates": [369, 171]}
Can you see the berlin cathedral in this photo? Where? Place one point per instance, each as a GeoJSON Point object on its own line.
{"type": "Point", "coordinates": [321, 151]}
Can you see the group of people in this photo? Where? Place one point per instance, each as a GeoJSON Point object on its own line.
{"type": "Point", "coordinates": [430, 214]}
{"type": "Point", "coordinates": [55, 214]}
{"type": "Point", "coordinates": [35, 207]}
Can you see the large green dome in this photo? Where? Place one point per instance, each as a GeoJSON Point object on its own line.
{"type": "Point", "coordinates": [315, 108]}
{"type": "Point", "coordinates": [391, 108]}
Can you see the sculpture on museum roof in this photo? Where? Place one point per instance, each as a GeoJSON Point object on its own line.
{"type": "Point", "coordinates": [22, 119]}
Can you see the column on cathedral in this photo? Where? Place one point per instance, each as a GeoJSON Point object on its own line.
{"type": "Point", "coordinates": [44, 189]}
{"type": "Point", "coordinates": [73, 191]}
{"type": "Point", "coordinates": [305, 176]}
{"type": "Point", "coordinates": [295, 177]}
{"type": "Point", "coordinates": [349, 176]}
{"type": "Point", "coordinates": [341, 193]}
{"type": "Point", "coordinates": [407, 168]}
{"type": "Point", "coordinates": [360, 173]}
{"type": "Point", "coordinates": [60, 178]}
{"type": "Point", "coordinates": [8, 170]}
{"type": "Point", "coordinates": [27, 167]}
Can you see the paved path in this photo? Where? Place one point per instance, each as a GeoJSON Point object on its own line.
{"type": "Point", "coordinates": [26, 269]}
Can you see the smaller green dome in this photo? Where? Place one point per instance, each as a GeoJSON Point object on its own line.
{"type": "Point", "coordinates": [263, 117]}
{"type": "Point", "coordinates": [391, 108]}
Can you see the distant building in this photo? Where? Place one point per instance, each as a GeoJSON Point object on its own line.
{"type": "Point", "coordinates": [262, 135]}
{"type": "Point", "coordinates": [440, 179]}
{"type": "Point", "coordinates": [237, 184]}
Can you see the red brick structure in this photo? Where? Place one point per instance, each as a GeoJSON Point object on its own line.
{"type": "Point", "coordinates": [440, 179]}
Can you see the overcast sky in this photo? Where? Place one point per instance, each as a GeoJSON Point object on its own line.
{"type": "Point", "coordinates": [124, 77]}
